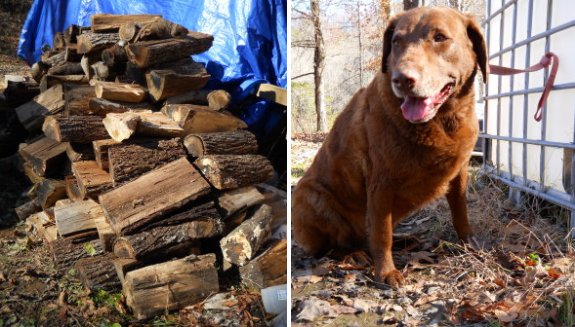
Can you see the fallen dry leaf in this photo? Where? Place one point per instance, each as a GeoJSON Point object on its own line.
{"type": "Point", "coordinates": [314, 308]}
{"type": "Point", "coordinates": [505, 316]}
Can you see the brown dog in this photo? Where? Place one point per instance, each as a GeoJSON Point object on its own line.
{"type": "Point", "coordinates": [401, 142]}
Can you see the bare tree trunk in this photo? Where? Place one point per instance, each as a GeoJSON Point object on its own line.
{"type": "Point", "coordinates": [318, 65]}
{"type": "Point", "coordinates": [385, 7]}
{"type": "Point", "coordinates": [410, 4]}
{"type": "Point", "coordinates": [359, 44]}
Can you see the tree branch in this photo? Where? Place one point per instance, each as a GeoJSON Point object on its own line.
{"type": "Point", "coordinates": [302, 75]}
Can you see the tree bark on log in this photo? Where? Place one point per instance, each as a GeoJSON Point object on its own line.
{"type": "Point", "coordinates": [49, 191]}
{"type": "Point", "coordinates": [98, 273]}
{"type": "Point", "coordinates": [114, 57]}
{"type": "Point", "coordinates": [28, 208]}
{"type": "Point", "coordinates": [70, 34]}
{"type": "Point", "coordinates": [71, 54]}
{"type": "Point", "coordinates": [77, 98]}
{"type": "Point", "coordinates": [123, 266]}
{"type": "Point", "coordinates": [92, 181]}
{"type": "Point", "coordinates": [105, 233]}
{"type": "Point", "coordinates": [193, 211]}
{"type": "Point", "coordinates": [68, 68]}
{"type": "Point", "coordinates": [149, 53]}
{"type": "Point", "coordinates": [50, 80]}
{"type": "Point", "coordinates": [93, 42]}
{"type": "Point", "coordinates": [243, 243]}
{"type": "Point", "coordinates": [31, 114]}
{"type": "Point", "coordinates": [101, 152]}
{"type": "Point", "coordinates": [171, 285]}
{"type": "Point", "coordinates": [20, 92]}
{"type": "Point", "coordinates": [77, 218]}
{"type": "Point", "coordinates": [45, 156]}
{"type": "Point", "coordinates": [54, 59]}
{"type": "Point", "coordinates": [58, 42]}
{"type": "Point", "coordinates": [111, 23]}
{"type": "Point", "coordinates": [67, 252]}
{"type": "Point", "coordinates": [235, 142]}
{"type": "Point", "coordinates": [160, 29]}
{"type": "Point", "coordinates": [79, 151]}
{"type": "Point", "coordinates": [160, 240]}
{"type": "Point", "coordinates": [200, 119]}
{"type": "Point", "coordinates": [120, 92]}
{"type": "Point", "coordinates": [239, 200]}
{"type": "Point", "coordinates": [178, 78]}
{"type": "Point", "coordinates": [130, 161]}
{"type": "Point", "coordinates": [102, 107]}
{"type": "Point", "coordinates": [82, 129]}
{"type": "Point", "coordinates": [153, 195]}
{"type": "Point", "coordinates": [215, 100]}
{"type": "Point", "coordinates": [227, 172]}
{"type": "Point", "coordinates": [268, 269]}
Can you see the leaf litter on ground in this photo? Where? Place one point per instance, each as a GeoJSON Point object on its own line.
{"type": "Point", "coordinates": [523, 276]}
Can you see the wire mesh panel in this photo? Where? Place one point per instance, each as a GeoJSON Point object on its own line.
{"type": "Point", "coordinates": [534, 157]}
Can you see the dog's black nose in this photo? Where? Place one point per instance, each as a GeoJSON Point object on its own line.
{"type": "Point", "coordinates": [403, 80]}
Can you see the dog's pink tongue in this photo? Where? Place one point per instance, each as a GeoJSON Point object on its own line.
{"type": "Point", "coordinates": [414, 109]}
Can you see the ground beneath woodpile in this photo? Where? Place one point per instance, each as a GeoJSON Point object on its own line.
{"type": "Point", "coordinates": [524, 277]}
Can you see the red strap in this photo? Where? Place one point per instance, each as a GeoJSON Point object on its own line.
{"type": "Point", "coordinates": [545, 61]}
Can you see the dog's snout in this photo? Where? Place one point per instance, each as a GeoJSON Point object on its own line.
{"type": "Point", "coordinates": [405, 80]}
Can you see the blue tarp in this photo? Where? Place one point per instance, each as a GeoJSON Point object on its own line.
{"type": "Point", "coordinates": [250, 36]}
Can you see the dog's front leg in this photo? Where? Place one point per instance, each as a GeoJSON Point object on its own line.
{"type": "Point", "coordinates": [380, 236]}
{"type": "Point", "coordinates": [456, 197]}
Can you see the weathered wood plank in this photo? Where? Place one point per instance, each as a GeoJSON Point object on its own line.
{"type": "Point", "coordinates": [92, 180]}
{"type": "Point", "coordinates": [234, 201]}
{"type": "Point", "coordinates": [111, 23]}
{"type": "Point", "coordinates": [101, 152]}
{"type": "Point", "coordinates": [120, 92]}
{"type": "Point", "coordinates": [45, 156]}
{"type": "Point", "coordinates": [171, 285]}
{"type": "Point", "coordinates": [32, 113]}
{"type": "Point", "coordinates": [153, 195]}
{"type": "Point", "coordinates": [77, 217]}
{"type": "Point", "coordinates": [267, 269]}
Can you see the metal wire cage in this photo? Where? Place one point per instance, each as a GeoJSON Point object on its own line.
{"type": "Point", "coordinates": [530, 156]}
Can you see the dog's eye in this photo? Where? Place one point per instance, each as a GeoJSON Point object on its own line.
{"type": "Point", "coordinates": [396, 40]}
{"type": "Point", "coordinates": [438, 37]}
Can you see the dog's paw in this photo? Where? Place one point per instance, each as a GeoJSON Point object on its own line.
{"type": "Point", "coordinates": [477, 245]}
{"type": "Point", "coordinates": [394, 278]}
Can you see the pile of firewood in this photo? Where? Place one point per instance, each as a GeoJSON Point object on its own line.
{"type": "Point", "coordinates": [143, 182]}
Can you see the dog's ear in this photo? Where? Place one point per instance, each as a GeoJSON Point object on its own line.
{"type": "Point", "coordinates": [387, 44]}
{"type": "Point", "coordinates": [479, 47]}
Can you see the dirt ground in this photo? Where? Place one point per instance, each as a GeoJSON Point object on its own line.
{"type": "Point", "coordinates": [524, 277]}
